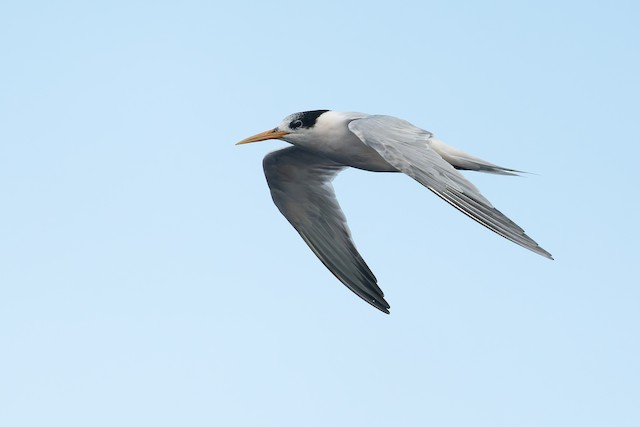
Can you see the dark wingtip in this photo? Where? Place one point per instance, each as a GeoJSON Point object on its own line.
{"type": "Point", "coordinates": [542, 252]}
{"type": "Point", "coordinates": [381, 305]}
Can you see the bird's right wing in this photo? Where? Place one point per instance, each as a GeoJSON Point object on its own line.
{"type": "Point", "coordinates": [408, 149]}
{"type": "Point", "coordinates": [300, 184]}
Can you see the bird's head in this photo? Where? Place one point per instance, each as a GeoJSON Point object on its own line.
{"type": "Point", "coordinates": [295, 129]}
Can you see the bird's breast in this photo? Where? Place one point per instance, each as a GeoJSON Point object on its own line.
{"type": "Point", "coordinates": [348, 149]}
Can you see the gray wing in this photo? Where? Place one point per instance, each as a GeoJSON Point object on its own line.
{"type": "Point", "coordinates": [300, 184]}
{"type": "Point", "coordinates": [408, 148]}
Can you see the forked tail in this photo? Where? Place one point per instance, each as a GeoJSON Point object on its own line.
{"type": "Point", "coordinates": [465, 161]}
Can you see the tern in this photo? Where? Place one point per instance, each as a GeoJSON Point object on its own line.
{"type": "Point", "coordinates": [325, 142]}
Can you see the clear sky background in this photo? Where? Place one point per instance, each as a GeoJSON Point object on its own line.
{"type": "Point", "coordinates": [146, 278]}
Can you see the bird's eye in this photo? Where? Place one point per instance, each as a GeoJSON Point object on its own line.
{"type": "Point", "coordinates": [295, 124]}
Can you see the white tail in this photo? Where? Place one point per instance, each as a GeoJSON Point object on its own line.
{"type": "Point", "coordinates": [461, 160]}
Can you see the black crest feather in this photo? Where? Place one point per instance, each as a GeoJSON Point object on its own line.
{"type": "Point", "coordinates": [308, 118]}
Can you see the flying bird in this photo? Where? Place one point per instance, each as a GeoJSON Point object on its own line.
{"type": "Point", "coordinates": [325, 142]}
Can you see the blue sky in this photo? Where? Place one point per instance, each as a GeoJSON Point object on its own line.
{"type": "Point", "coordinates": [147, 279]}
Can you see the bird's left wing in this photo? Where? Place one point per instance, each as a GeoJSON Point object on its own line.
{"type": "Point", "coordinates": [300, 184]}
{"type": "Point", "coordinates": [408, 148]}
